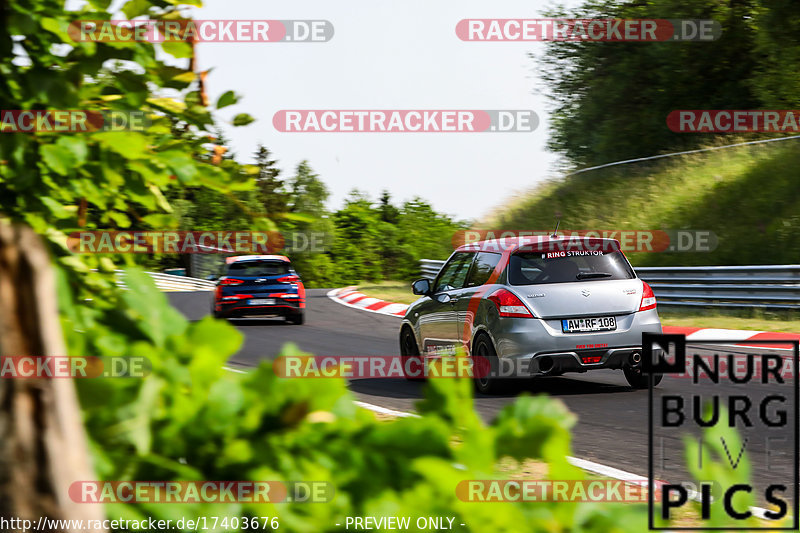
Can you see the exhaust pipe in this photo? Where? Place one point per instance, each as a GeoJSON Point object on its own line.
{"type": "Point", "coordinates": [545, 364]}
{"type": "Point", "coordinates": [636, 358]}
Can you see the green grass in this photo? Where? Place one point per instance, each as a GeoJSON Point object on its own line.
{"type": "Point", "coordinates": [391, 291]}
{"type": "Point", "coordinates": [748, 196]}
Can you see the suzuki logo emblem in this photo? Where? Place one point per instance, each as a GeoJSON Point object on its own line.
{"type": "Point", "coordinates": [585, 292]}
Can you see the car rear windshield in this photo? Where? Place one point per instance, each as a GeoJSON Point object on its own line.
{"type": "Point", "coordinates": [534, 268]}
{"type": "Point", "coordinates": [258, 268]}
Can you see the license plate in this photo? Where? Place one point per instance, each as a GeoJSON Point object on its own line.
{"type": "Point", "coordinates": [262, 301]}
{"type": "Point", "coordinates": [583, 325]}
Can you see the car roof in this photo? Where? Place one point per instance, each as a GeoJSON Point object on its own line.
{"type": "Point", "coordinates": [237, 258]}
{"type": "Point", "coordinates": [512, 244]}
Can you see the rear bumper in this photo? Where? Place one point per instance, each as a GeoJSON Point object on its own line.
{"type": "Point", "coordinates": [557, 363]}
{"type": "Point", "coordinates": [539, 347]}
{"type": "Point", "coordinates": [241, 309]}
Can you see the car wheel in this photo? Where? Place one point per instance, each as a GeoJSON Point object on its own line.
{"type": "Point", "coordinates": [485, 383]}
{"type": "Point", "coordinates": [215, 313]}
{"type": "Point", "coordinates": [409, 351]}
{"type": "Point", "coordinates": [297, 319]}
{"type": "Point", "coordinates": [638, 380]}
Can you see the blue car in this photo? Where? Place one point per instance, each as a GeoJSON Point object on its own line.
{"type": "Point", "coordinates": [259, 285]}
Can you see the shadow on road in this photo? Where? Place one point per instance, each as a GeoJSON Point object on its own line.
{"type": "Point", "coordinates": [274, 321]}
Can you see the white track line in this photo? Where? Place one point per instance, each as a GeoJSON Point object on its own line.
{"type": "Point", "coordinates": [386, 411]}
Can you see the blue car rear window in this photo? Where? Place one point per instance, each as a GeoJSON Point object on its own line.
{"type": "Point", "coordinates": [258, 268]}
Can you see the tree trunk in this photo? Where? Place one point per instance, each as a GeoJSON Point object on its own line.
{"type": "Point", "coordinates": [43, 447]}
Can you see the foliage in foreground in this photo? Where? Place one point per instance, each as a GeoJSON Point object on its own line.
{"type": "Point", "coordinates": [192, 420]}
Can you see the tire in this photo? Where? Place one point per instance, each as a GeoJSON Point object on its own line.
{"type": "Point", "coordinates": [409, 350]}
{"type": "Point", "coordinates": [638, 380]}
{"type": "Point", "coordinates": [297, 320]}
{"type": "Point", "coordinates": [483, 347]}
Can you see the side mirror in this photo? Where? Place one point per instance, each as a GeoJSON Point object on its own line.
{"type": "Point", "coordinates": [212, 277]}
{"type": "Point", "coordinates": [421, 287]}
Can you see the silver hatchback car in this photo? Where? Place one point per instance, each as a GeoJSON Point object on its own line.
{"type": "Point", "coordinates": [534, 306]}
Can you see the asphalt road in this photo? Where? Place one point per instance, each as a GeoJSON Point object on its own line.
{"type": "Point", "coordinates": [612, 426]}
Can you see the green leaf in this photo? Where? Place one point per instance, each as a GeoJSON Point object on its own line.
{"type": "Point", "coordinates": [160, 200]}
{"type": "Point", "coordinates": [168, 105]}
{"type": "Point", "coordinates": [76, 145]}
{"type": "Point", "coordinates": [128, 144]}
{"type": "Point", "coordinates": [148, 306]}
{"type": "Point", "coordinates": [181, 164]}
{"type": "Point", "coordinates": [58, 210]}
{"type": "Point", "coordinates": [57, 158]}
{"type": "Point", "coordinates": [58, 27]}
{"type": "Point", "coordinates": [242, 119]}
{"type": "Point", "coordinates": [177, 49]}
{"type": "Point", "coordinates": [228, 98]}
{"type": "Point", "coordinates": [134, 8]}
{"type": "Point", "coordinates": [120, 219]}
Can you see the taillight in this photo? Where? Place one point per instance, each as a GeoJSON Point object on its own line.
{"type": "Point", "coordinates": [509, 305]}
{"type": "Point", "coordinates": [230, 281]}
{"type": "Point", "coordinates": [291, 278]}
{"type": "Point", "coordinates": [648, 298]}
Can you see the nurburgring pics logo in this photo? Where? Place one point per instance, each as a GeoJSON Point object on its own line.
{"type": "Point", "coordinates": [202, 31]}
{"type": "Point", "coordinates": [734, 121]}
{"type": "Point", "coordinates": [71, 121]}
{"type": "Point", "coordinates": [564, 29]}
{"type": "Point", "coordinates": [739, 429]}
{"type": "Point", "coordinates": [405, 121]}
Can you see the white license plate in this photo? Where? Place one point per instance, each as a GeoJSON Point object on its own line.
{"type": "Point", "coordinates": [262, 301]}
{"type": "Point", "coordinates": [583, 325]}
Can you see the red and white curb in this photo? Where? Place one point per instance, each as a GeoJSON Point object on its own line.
{"type": "Point", "coordinates": [350, 297]}
{"type": "Point", "coordinates": [739, 337]}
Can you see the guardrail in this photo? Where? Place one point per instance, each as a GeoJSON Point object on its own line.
{"type": "Point", "coordinates": [430, 267]}
{"type": "Point", "coordinates": [762, 286]}
{"type": "Point", "coordinates": [171, 283]}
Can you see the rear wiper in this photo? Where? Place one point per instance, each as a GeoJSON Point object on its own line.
{"type": "Point", "coordinates": [589, 275]}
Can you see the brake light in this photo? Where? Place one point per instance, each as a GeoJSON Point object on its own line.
{"type": "Point", "coordinates": [291, 278]}
{"type": "Point", "coordinates": [508, 304]}
{"type": "Point", "coordinates": [648, 298]}
{"type": "Point", "coordinates": [230, 281]}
